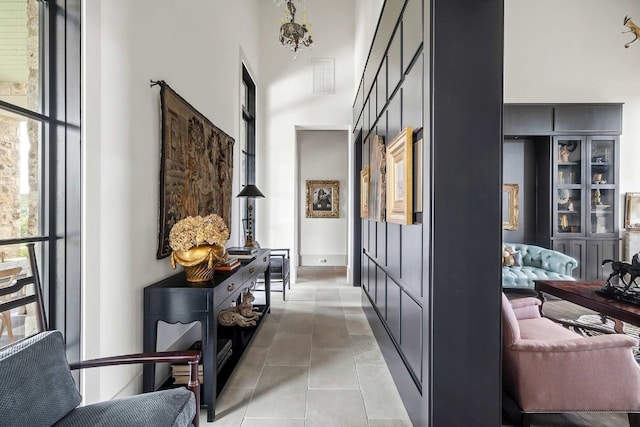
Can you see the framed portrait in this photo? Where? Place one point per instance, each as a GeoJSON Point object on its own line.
{"type": "Point", "coordinates": [510, 206]}
{"type": "Point", "coordinates": [323, 199]}
{"type": "Point", "coordinates": [364, 192]}
{"type": "Point", "coordinates": [399, 176]}
{"type": "Point", "coordinates": [632, 212]}
{"type": "Point", "coordinates": [377, 179]}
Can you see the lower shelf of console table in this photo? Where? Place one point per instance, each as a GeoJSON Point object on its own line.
{"type": "Point", "coordinates": [175, 300]}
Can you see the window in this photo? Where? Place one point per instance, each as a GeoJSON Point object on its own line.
{"type": "Point", "coordinates": [247, 141]}
{"type": "Point", "coordinates": [40, 153]}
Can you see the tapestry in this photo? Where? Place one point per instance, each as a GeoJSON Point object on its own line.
{"type": "Point", "coordinates": [196, 166]}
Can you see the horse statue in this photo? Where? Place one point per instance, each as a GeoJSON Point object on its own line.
{"type": "Point", "coordinates": [623, 270]}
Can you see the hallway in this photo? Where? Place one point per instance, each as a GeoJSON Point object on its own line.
{"type": "Point", "coordinates": [315, 362]}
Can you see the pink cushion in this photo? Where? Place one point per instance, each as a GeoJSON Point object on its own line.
{"type": "Point", "coordinates": [544, 329]}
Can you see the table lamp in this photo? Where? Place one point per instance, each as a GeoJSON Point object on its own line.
{"type": "Point", "coordinates": [250, 191]}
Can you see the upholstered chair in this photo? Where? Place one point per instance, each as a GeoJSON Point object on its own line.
{"type": "Point", "coordinates": [549, 369]}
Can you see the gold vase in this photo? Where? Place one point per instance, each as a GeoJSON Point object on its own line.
{"type": "Point", "coordinates": [199, 262]}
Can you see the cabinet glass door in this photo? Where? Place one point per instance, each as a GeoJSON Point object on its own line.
{"type": "Point", "coordinates": [602, 175]}
{"type": "Point", "coordinates": [569, 196]}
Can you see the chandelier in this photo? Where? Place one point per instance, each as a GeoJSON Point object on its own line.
{"type": "Point", "coordinates": [294, 36]}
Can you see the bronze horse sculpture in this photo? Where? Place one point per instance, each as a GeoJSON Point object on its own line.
{"type": "Point", "coordinates": [624, 269]}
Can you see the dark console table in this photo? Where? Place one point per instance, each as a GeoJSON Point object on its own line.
{"type": "Point", "coordinates": [174, 300]}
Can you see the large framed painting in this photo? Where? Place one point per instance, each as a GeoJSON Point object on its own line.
{"type": "Point", "coordinates": [196, 166]}
{"type": "Point", "coordinates": [377, 179]}
{"type": "Point", "coordinates": [510, 206]}
{"type": "Point", "coordinates": [323, 199]}
{"type": "Point", "coordinates": [399, 177]}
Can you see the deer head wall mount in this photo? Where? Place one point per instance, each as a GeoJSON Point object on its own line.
{"type": "Point", "coordinates": [633, 28]}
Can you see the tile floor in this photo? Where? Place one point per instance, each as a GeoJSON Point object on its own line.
{"type": "Point", "coordinates": [314, 362]}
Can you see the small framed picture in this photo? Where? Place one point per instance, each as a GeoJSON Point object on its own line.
{"type": "Point", "coordinates": [632, 212]}
{"type": "Point", "coordinates": [399, 175]}
{"type": "Point", "coordinates": [323, 199]}
{"type": "Point", "coordinates": [364, 192]}
{"type": "Point", "coordinates": [510, 206]}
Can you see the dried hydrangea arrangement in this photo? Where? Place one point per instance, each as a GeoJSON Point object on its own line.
{"type": "Point", "coordinates": [195, 231]}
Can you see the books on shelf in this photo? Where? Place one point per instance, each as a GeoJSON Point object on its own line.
{"type": "Point", "coordinates": [229, 265]}
{"type": "Point", "coordinates": [180, 372]}
{"type": "Point", "coordinates": [241, 250]}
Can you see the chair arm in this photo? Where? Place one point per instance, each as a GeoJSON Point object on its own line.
{"type": "Point", "coordinates": [526, 308]}
{"type": "Point", "coordinates": [192, 357]}
{"type": "Point", "coordinates": [576, 344]}
{"type": "Point", "coordinates": [558, 262]}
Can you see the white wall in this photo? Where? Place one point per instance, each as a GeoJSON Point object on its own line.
{"type": "Point", "coordinates": [287, 102]}
{"type": "Point", "coordinates": [323, 155]}
{"type": "Point", "coordinates": [195, 46]}
{"type": "Point", "coordinates": [573, 51]}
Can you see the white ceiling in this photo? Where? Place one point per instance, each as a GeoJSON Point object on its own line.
{"type": "Point", "coordinates": [13, 41]}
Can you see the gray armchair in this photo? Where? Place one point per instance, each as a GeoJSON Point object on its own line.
{"type": "Point", "coordinates": [38, 390]}
{"type": "Point", "coordinates": [37, 387]}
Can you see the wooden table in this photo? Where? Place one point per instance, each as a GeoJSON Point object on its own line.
{"type": "Point", "coordinates": [584, 294]}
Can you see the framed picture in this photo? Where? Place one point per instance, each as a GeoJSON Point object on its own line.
{"type": "Point", "coordinates": [418, 175]}
{"type": "Point", "coordinates": [323, 199]}
{"type": "Point", "coordinates": [510, 206]}
{"type": "Point", "coordinates": [632, 212]}
{"type": "Point", "coordinates": [364, 192]}
{"type": "Point", "coordinates": [399, 176]}
{"type": "Point", "coordinates": [377, 179]}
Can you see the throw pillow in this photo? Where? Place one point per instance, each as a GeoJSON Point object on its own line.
{"type": "Point", "coordinates": [507, 256]}
{"type": "Point", "coordinates": [517, 258]}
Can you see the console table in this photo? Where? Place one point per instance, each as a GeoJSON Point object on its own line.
{"type": "Point", "coordinates": [174, 300]}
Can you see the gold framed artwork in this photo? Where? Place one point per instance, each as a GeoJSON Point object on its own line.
{"type": "Point", "coordinates": [418, 174]}
{"type": "Point", "coordinates": [399, 176]}
{"type": "Point", "coordinates": [510, 206]}
{"type": "Point", "coordinates": [323, 199]}
{"type": "Point", "coordinates": [377, 179]}
{"type": "Point", "coordinates": [632, 211]}
{"type": "Point", "coordinates": [364, 192]}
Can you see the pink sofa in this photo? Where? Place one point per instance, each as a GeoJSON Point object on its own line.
{"type": "Point", "coordinates": [547, 368]}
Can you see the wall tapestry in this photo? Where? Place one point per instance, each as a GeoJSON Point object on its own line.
{"type": "Point", "coordinates": [377, 179]}
{"type": "Point", "coordinates": [196, 166]}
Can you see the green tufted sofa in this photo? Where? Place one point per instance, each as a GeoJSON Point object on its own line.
{"type": "Point", "coordinates": [538, 263]}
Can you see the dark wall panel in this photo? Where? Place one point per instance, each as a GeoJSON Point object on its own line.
{"type": "Point", "coordinates": [412, 95]}
{"type": "Point", "coordinates": [466, 123]}
{"type": "Point", "coordinates": [411, 273]}
{"type": "Point", "coordinates": [393, 308]}
{"type": "Point", "coordinates": [411, 31]}
{"type": "Point", "coordinates": [393, 249]}
{"type": "Point", "coordinates": [381, 292]}
{"type": "Point", "coordinates": [394, 116]}
{"type": "Point", "coordinates": [382, 86]}
{"type": "Point", "coordinates": [364, 272]}
{"type": "Point", "coordinates": [382, 242]}
{"type": "Point", "coordinates": [411, 337]}
{"type": "Point", "coordinates": [394, 66]}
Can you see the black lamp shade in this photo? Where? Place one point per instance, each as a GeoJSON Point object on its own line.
{"type": "Point", "coordinates": [250, 190]}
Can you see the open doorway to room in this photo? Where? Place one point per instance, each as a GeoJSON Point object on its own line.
{"type": "Point", "coordinates": [323, 208]}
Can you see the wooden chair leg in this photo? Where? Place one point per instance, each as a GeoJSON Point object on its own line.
{"type": "Point", "coordinates": [634, 419]}
{"type": "Point", "coordinates": [6, 321]}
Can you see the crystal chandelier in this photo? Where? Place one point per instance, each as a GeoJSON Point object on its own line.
{"type": "Point", "coordinates": [294, 36]}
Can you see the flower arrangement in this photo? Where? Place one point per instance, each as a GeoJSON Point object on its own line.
{"type": "Point", "coordinates": [193, 231]}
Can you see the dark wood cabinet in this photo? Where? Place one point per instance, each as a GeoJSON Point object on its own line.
{"type": "Point", "coordinates": [174, 300]}
{"type": "Point", "coordinates": [577, 200]}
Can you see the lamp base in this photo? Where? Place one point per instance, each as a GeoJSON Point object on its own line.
{"type": "Point", "coordinates": [250, 243]}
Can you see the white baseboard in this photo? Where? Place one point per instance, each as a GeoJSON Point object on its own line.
{"type": "Point", "coordinates": [312, 260]}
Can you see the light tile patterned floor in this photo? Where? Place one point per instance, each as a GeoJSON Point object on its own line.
{"type": "Point", "coordinates": [314, 363]}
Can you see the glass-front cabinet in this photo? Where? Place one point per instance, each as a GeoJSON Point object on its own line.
{"type": "Point", "coordinates": [585, 201]}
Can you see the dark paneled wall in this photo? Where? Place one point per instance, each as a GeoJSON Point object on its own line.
{"type": "Point", "coordinates": [432, 289]}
